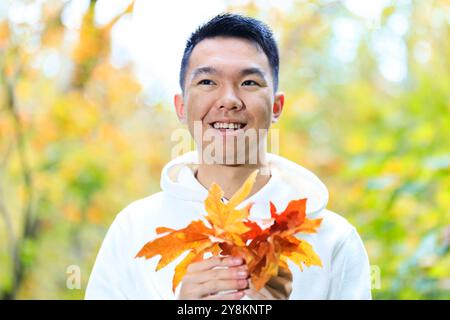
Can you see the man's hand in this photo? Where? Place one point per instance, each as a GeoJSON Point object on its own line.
{"type": "Point", "coordinates": [277, 288]}
{"type": "Point", "coordinates": [205, 279]}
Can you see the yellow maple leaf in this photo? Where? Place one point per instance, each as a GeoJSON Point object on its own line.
{"type": "Point", "coordinates": [224, 216]}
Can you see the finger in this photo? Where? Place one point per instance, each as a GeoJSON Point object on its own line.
{"type": "Point", "coordinates": [212, 287]}
{"type": "Point", "coordinates": [240, 272]}
{"type": "Point", "coordinates": [285, 273]}
{"type": "Point", "coordinates": [261, 294]}
{"type": "Point", "coordinates": [276, 294]}
{"type": "Point", "coordinates": [213, 262]}
{"type": "Point", "coordinates": [281, 285]}
{"type": "Point", "coordinates": [255, 295]}
{"type": "Point", "coordinates": [266, 293]}
{"type": "Point", "coordinates": [229, 296]}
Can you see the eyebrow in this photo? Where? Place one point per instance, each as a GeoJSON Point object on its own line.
{"type": "Point", "coordinates": [203, 70]}
{"type": "Point", "coordinates": [243, 72]}
{"type": "Point", "coordinates": [253, 71]}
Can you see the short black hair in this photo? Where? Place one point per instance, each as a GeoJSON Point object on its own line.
{"type": "Point", "coordinates": [237, 26]}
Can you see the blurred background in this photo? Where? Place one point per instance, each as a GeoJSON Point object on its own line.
{"type": "Point", "coordinates": [86, 120]}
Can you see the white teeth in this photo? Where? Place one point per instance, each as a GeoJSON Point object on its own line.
{"type": "Point", "coordinates": [222, 125]}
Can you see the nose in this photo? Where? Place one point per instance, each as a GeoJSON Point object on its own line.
{"type": "Point", "coordinates": [229, 100]}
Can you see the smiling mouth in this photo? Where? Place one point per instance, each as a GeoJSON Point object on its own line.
{"type": "Point", "coordinates": [227, 126]}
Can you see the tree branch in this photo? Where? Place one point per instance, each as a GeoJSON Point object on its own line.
{"type": "Point", "coordinates": [29, 228]}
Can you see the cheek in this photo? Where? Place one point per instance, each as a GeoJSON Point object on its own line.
{"type": "Point", "coordinates": [261, 111]}
{"type": "Point", "coordinates": [196, 107]}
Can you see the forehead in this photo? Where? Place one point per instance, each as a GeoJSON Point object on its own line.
{"type": "Point", "coordinates": [228, 54]}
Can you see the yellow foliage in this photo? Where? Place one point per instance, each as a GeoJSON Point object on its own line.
{"type": "Point", "coordinates": [4, 34]}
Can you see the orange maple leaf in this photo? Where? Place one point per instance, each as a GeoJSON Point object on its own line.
{"type": "Point", "coordinates": [277, 243]}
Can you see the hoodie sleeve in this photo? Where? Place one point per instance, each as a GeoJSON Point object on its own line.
{"type": "Point", "coordinates": [110, 278]}
{"type": "Point", "coordinates": [350, 270]}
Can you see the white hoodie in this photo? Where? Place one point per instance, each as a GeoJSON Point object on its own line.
{"type": "Point", "coordinates": [118, 275]}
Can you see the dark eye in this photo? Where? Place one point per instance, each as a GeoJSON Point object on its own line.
{"type": "Point", "coordinates": [250, 83]}
{"type": "Point", "coordinates": [206, 82]}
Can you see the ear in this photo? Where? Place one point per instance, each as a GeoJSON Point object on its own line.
{"type": "Point", "coordinates": [179, 107]}
{"type": "Point", "coordinates": [277, 106]}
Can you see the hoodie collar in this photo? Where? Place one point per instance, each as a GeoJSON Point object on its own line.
{"type": "Point", "coordinates": [178, 180]}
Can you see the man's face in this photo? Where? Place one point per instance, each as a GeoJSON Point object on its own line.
{"type": "Point", "coordinates": [228, 90]}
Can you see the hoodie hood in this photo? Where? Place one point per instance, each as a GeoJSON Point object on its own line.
{"type": "Point", "coordinates": [288, 179]}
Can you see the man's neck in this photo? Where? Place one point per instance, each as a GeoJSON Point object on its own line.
{"type": "Point", "coordinates": [231, 178]}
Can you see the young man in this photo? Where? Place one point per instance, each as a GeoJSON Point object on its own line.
{"type": "Point", "coordinates": [229, 82]}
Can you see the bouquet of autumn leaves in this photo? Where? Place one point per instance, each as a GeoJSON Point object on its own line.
{"type": "Point", "coordinates": [231, 232]}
